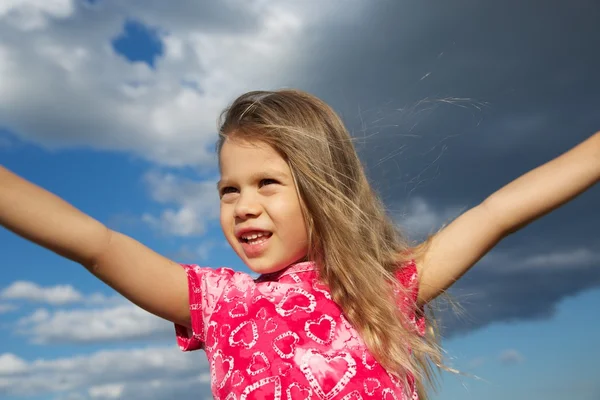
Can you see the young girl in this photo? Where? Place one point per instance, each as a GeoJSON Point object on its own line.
{"type": "Point", "coordinates": [337, 311]}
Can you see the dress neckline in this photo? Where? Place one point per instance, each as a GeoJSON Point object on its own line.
{"type": "Point", "coordinates": [303, 266]}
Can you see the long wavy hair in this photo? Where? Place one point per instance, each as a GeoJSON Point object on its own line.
{"type": "Point", "coordinates": [355, 244]}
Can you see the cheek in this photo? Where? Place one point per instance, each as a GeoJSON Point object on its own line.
{"type": "Point", "coordinates": [227, 228]}
{"type": "Point", "coordinates": [292, 221]}
{"type": "Point", "coordinates": [225, 219]}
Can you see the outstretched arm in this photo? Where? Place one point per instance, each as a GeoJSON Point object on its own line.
{"type": "Point", "coordinates": [452, 251]}
{"type": "Point", "coordinates": [146, 278]}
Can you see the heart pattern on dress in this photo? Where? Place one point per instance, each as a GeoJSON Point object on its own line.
{"type": "Point", "coordinates": [270, 326]}
{"type": "Point", "coordinates": [319, 287]}
{"type": "Point", "coordinates": [246, 334]}
{"type": "Point", "coordinates": [274, 381]}
{"type": "Point", "coordinates": [258, 364]}
{"type": "Point", "coordinates": [285, 344]}
{"type": "Point", "coordinates": [262, 313]}
{"type": "Point", "coordinates": [237, 379]}
{"type": "Point", "coordinates": [328, 374]}
{"type": "Point", "coordinates": [209, 299]}
{"type": "Point", "coordinates": [298, 392]}
{"type": "Point", "coordinates": [371, 385]}
{"type": "Point", "coordinates": [261, 297]}
{"type": "Point", "coordinates": [388, 394]}
{"type": "Point", "coordinates": [321, 330]}
{"type": "Point", "coordinates": [211, 336]}
{"type": "Point", "coordinates": [368, 361]}
{"type": "Point", "coordinates": [296, 299]}
{"type": "Point", "coordinates": [225, 328]}
{"type": "Point", "coordinates": [219, 374]}
{"type": "Point", "coordinates": [232, 293]}
{"type": "Point", "coordinates": [240, 310]}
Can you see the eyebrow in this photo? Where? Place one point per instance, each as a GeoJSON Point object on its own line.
{"type": "Point", "coordinates": [270, 172]}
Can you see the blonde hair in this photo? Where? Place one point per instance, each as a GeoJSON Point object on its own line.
{"type": "Point", "coordinates": [355, 245]}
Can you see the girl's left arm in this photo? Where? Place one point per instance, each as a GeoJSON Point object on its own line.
{"type": "Point", "coordinates": [455, 249]}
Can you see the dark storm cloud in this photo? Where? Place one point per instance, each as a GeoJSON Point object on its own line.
{"type": "Point", "coordinates": [488, 297]}
{"type": "Point", "coordinates": [525, 87]}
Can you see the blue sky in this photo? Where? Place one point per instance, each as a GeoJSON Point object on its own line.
{"type": "Point", "coordinates": [113, 108]}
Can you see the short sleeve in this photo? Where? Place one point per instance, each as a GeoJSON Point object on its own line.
{"type": "Point", "coordinates": [205, 287]}
{"type": "Point", "coordinates": [407, 276]}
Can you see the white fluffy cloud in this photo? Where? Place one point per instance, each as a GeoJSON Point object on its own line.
{"type": "Point", "coordinates": [60, 294]}
{"type": "Point", "coordinates": [93, 325]}
{"type": "Point", "coordinates": [55, 295]}
{"type": "Point", "coordinates": [65, 86]}
{"type": "Point", "coordinates": [419, 218]}
{"type": "Point", "coordinates": [196, 203]}
{"type": "Point", "coordinates": [34, 14]}
{"type": "Point", "coordinates": [145, 373]}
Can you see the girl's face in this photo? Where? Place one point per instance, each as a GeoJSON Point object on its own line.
{"type": "Point", "coordinates": [261, 215]}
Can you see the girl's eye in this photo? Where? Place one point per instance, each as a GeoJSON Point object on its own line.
{"type": "Point", "coordinates": [227, 190]}
{"type": "Point", "coordinates": [267, 182]}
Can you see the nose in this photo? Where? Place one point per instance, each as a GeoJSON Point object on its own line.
{"type": "Point", "coordinates": [247, 206]}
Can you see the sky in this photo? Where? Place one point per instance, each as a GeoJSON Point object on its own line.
{"type": "Point", "coordinates": [113, 106]}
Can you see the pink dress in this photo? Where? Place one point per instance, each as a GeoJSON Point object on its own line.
{"type": "Point", "coordinates": [282, 337]}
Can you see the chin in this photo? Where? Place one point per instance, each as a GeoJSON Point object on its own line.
{"type": "Point", "coordinates": [263, 268]}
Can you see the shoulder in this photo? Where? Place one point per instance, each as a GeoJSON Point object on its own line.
{"type": "Point", "coordinates": [217, 278]}
{"type": "Point", "coordinates": [408, 280]}
{"type": "Point", "coordinates": [408, 294]}
{"type": "Point", "coordinates": [220, 271]}
{"type": "Point", "coordinates": [407, 273]}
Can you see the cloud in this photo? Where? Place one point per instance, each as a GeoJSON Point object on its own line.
{"type": "Point", "coordinates": [30, 15]}
{"type": "Point", "coordinates": [511, 357]}
{"type": "Point", "coordinates": [520, 283]}
{"type": "Point", "coordinates": [152, 372]}
{"type": "Point", "coordinates": [197, 203]}
{"type": "Point", "coordinates": [420, 218]}
{"type": "Point", "coordinates": [565, 259]}
{"type": "Point", "coordinates": [199, 253]}
{"type": "Point", "coordinates": [60, 294]}
{"type": "Point", "coordinates": [570, 259]}
{"type": "Point", "coordinates": [70, 88]}
{"type": "Point", "coordinates": [11, 364]}
{"type": "Point", "coordinates": [54, 295]}
{"type": "Point", "coordinates": [114, 324]}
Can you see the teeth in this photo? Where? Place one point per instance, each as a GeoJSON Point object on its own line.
{"type": "Point", "coordinates": [253, 236]}
{"type": "Point", "coordinates": [256, 241]}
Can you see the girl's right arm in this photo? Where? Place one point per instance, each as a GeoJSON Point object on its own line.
{"type": "Point", "coordinates": [146, 278]}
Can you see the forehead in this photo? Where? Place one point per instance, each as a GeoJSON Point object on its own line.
{"type": "Point", "coordinates": [240, 157]}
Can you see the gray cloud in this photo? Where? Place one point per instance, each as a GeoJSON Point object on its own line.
{"type": "Point", "coordinates": [513, 287]}
{"type": "Point", "coordinates": [523, 88]}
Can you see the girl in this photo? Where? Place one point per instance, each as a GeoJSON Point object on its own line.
{"type": "Point", "coordinates": [337, 311]}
